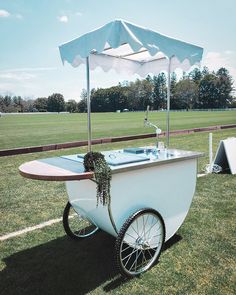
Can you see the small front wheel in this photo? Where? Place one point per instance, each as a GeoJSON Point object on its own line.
{"type": "Point", "coordinates": [139, 242]}
{"type": "Point", "coordinates": [75, 225]}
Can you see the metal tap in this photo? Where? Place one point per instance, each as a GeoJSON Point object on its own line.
{"type": "Point", "coordinates": [149, 124]}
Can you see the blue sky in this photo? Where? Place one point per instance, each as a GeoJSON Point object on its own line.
{"type": "Point", "coordinates": [32, 30]}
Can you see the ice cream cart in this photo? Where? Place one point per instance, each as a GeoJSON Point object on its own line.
{"type": "Point", "coordinates": [151, 189]}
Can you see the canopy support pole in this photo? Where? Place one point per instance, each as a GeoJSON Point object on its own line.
{"type": "Point", "coordinates": [168, 105]}
{"type": "Point", "coordinates": [88, 105]}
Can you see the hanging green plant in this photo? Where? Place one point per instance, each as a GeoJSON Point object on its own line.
{"type": "Point", "coordinates": [95, 161]}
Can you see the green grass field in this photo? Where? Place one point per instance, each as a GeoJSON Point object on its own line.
{"type": "Point", "coordinates": [200, 259]}
{"type": "Point", "coordinates": [31, 130]}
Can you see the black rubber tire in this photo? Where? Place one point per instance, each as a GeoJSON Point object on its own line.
{"type": "Point", "coordinates": [121, 235]}
{"type": "Point", "coordinates": [67, 228]}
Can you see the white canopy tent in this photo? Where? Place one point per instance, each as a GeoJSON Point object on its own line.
{"type": "Point", "coordinates": [126, 47]}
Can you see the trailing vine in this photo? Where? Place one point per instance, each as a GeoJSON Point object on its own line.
{"type": "Point", "coordinates": [95, 161]}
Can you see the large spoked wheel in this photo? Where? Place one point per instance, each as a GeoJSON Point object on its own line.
{"type": "Point", "coordinates": [139, 242]}
{"type": "Point", "coordinates": [75, 225]}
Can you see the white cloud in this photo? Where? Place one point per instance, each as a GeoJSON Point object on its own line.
{"type": "Point", "coordinates": [63, 19]}
{"type": "Point", "coordinates": [79, 13]}
{"type": "Point", "coordinates": [4, 13]}
{"type": "Point", "coordinates": [214, 60]}
{"type": "Point", "coordinates": [20, 83]}
{"type": "Point", "coordinates": [21, 76]}
{"type": "Point", "coordinates": [28, 82]}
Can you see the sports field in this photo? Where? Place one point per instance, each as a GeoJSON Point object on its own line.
{"type": "Point", "coordinates": [200, 259]}
{"type": "Point", "coordinates": [38, 129]}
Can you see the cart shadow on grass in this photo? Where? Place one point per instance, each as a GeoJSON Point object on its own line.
{"type": "Point", "coordinates": [64, 266]}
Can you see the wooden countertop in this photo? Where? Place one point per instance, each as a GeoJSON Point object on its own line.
{"type": "Point", "coordinates": [54, 169]}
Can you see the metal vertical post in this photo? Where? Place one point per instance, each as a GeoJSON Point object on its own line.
{"type": "Point", "coordinates": [210, 153]}
{"type": "Point", "coordinates": [88, 105]}
{"type": "Point", "coordinates": [168, 105]}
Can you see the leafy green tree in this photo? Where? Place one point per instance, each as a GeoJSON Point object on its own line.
{"type": "Point", "coordinates": [205, 71]}
{"type": "Point", "coordinates": [2, 105]}
{"type": "Point", "coordinates": [108, 99]}
{"type": "Point", "coordinates": [41, 104]}
{"type": "Point", "coordinates": [82, 104]}
{"type": "Point", "coordinates": [6, 104]}
{"type": "Point", "coordinates": [159, 91]}
{"type": "Point", "coordinates": [198, 89]}
{"type": "Point", "coordinates": [139, 94]}
{"type": "Point", "coordinates": [173, 81]}
{"type": "Point", "coordinates": [215, 89]}
{"type": "Point", "coordinates": [196, 75]}
{"type": "Point", "coordinates": [18, 103]}
{"type": "Point", "coordinates": [100, 100]}
{"type": "Point", "coordinates": [118, 100]}
{"type": "Point", "coordinates": [143, 93]}
{"type": "Point", "coordinates": [149, 79]}
{"type": "Point", "coordinates": [185, 95]}
{"type": "Point", "coordinates": [224, 88]}
{"type": "Point", "coordinates": [7, 100]}
{"type": "Point", "coordinates": [131, 96]}
{"type": "Point", "coordinates": [29, 105]}
{"type": "Point", "coordinates": [207, 91]}
{"type": "Point", "coordinates": [71, 106]}
{"type": "Point", "coordinates": [56, 103]}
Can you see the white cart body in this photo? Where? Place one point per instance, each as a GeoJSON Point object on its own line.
{"type": "Point", "coordinates": [151, 194]}
{"type": "Point", "coordinates": [166, 185]}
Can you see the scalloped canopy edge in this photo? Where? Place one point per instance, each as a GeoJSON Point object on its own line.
{"type": "Point", "coordinates": [125, 47]}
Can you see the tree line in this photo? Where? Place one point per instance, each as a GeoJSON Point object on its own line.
{"type": "Point", "coordinates": [53, 103]}
{"type": "Point", "coordinates": [196, 90]}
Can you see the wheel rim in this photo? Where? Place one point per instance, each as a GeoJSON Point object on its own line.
{"type": "Point", "coordinates": [80, 226]}
{"type": "Point", "coordinates": [141, 243]}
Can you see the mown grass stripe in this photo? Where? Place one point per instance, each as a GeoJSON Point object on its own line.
{"type": "Point", "coordinates": [30, 229]}
{"type": "Point", "coordinates": [66, 145]}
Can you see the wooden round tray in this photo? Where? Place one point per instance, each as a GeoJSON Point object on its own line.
{"type": "Point", "coordinates": [54, 169]}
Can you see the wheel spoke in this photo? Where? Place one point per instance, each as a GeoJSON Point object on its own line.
{"type": "Point", "coordinates": [151, 223]}
{"type": "Point", "coordinates": [158, 241]}
{"type": "Point", "coordinates": [144, 257]}
{"type": "Point", "coordinates": [155, 230]}
{"type": "Point", "coordinates": [139, 242]}
{"type": "Point", "coordinates": [137, 256]}
{"type": "Point", "coordinates": [145, 227]}
{"type": "Point", "coordinates": [142, 227]}
{"type": "Point", "coordinates": [129, 256]}
{"type": "Point", "coordinates": [131, 236]}
{"type": "Point", "coordinates": [78, 227]}
{"type": "Point", "coordinates": [144, 261]}
{"type": "Point", "coordinates": [134, 230]}
{"type": "Point", "coordinates": [151, 255]}
{"type": "Point", "coordinates": [136, 261]}
{"type": "Point", "coordinates": [133, 251]}
{"type": "Point", "coordinates": [148, 233]}
{"type": "Point", "coordinates": [125, 248]}
{"type": "Point", "coordinates": [137, 226]}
